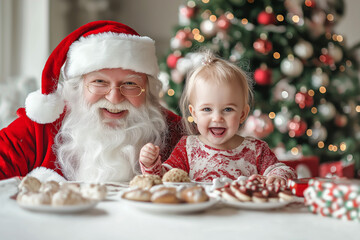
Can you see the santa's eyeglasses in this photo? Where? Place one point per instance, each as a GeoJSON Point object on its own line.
{"type": "Point", "coordinates": [129, 90]}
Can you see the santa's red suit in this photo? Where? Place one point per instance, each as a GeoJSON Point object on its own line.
{"type": "Point", "coordinates": [26, 145]}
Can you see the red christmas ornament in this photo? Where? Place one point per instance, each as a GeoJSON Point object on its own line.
{"type": "Point", "coordinates": [184, 34]}
{"type": "Point", "coordinates": [172, 60]}
{"type": "Point", "coordinates": [263, 76]}
{"type": "Point", "coordinates": [187, 11]}
{"type": "Point", "coordinates": [258, 126]}
{"type": "Point", "coordinates": [297, 127]}
{"type": "Point", "coordinates": [304, 100]}
{"type": "Point", "coordinates": [266, 18]}
{"type": "Point", "coordinates": [310, 3]}
{"type": "Point", "coordinates": [262, 46]}
{"type": "Point", "coordinates": [223, 22]}
{"type": "Point", "coordinates": [326, 59]}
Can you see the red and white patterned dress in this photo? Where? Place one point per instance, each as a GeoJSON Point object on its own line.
{"type": "Point", "coordinates": [204, 163]}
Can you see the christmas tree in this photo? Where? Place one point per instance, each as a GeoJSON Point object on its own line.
{"type": "Point", "coordinates": [307, 88]}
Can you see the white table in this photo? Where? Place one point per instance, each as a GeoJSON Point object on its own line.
{"type": "Point", "coordinates": [112, 219]}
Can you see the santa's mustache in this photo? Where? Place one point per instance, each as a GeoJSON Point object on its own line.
{"type": "Point", "coordinates": [103, 103]}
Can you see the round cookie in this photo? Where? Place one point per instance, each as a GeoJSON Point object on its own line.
{"type": "Point", "coordinates": [50, 187]}
{"type": "Point", "coordinates": [241, 192]}
{"type": "Point", "coordinates": [194, 194]}
{"type": "Point", "coordinates": [145, 181]}
{"type": "Point", "coordinates": [34, 198]}
{"type": "Point", "coordinates": [286, 195]}
{"type": "Point", "coordinates": [138, 195]}
{"type": "Point", "coordinates": [165, 195]}
{"type": "Point", "coordinates": [68, 197]}
{"type": "Point", "coordinates": [94, 191]}
{"type": "Point", "coordinates": [261, 196]}
{"type": "Point", "coordinates": [176, 175]}
{"type": "Point", "coordinates": [29, 184]}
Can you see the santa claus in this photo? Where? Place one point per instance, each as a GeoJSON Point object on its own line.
{"type": "Point", "coordinates": [98, 105]}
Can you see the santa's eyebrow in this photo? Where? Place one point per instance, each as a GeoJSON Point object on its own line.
{"type": "Point", "coordinates": [133, 76]}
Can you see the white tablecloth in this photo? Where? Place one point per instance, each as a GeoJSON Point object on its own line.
{"type": "Point", "coordinates": [111, 219]}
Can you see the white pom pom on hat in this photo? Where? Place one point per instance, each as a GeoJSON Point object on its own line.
{"type": "Point", "coordinates": [94, 46]}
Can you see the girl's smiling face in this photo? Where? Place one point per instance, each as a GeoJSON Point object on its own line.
{"type": "Point", "coordinates": [218, 110]}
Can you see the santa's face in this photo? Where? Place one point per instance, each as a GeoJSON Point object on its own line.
{"type": "Point", "coordinates": [106, 84]}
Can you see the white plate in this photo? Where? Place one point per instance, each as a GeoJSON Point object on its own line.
{"type": "Point", "coordinates": [59, 209]}
{"type": "Point", "coordinates": [179, 183]}
{"type": "Point", "coordinates": [170, 208]}
{"type": "Point", "coordinates": [256, 206]}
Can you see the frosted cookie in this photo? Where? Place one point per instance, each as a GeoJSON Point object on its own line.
{"type": "Point", "coordinates": [241, 192]}
{"type": "Point", "coordinates": [75, 187]}
{"type": "Point", "coordinates": [145, 181]}
{"type": "Point", "coordinates": [94, 191]}
{"type": "Point", "coordinates": [176, 175]}
{"type": "Point", "coordinates": [33, 198]}
{"type": "Point", "coordinates": [261, 196]}
{"type": "Point", "coordinates": [29, 184]}
{"type": "Point", "coordinates": [68, 197]}
{"type": "Point", "coordinates": [273, 196]}
{"type": "Point", "coordinates": [138, 195]}
{"type": "Point", "coordinates": [50, 187]}
{"type": "Point", "coordinates": [194, 194]}
{"type": "Point", "coordinates": [165, 195]}
{"type": "Point", "coordinates": [286, 195]}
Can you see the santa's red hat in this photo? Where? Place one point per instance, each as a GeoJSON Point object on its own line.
{"type": "Point", "coordinates": [94, 46]}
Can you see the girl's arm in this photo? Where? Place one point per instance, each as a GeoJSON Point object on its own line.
{"type": "Point", "coordinates": [177, 159]}
{"type": "Point", "coordinates": [268, 165]}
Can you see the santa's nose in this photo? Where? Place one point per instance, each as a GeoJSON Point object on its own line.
{"type": "Point", "coordinates": [115, 96]}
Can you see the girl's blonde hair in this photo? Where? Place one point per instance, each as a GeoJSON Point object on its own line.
{"type": "Point", "coordinates": [216, 70]}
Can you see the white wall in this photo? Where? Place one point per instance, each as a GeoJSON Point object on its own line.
{"type": "Point", "coordinates": [349, 25]}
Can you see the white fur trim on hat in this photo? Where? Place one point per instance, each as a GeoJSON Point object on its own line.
{"type": "Point", "coordinates": [46, 174]}
{"type": "Point", "coordinates": [111, 50]}
{"type": "Point", "coordinates": [44, 108]}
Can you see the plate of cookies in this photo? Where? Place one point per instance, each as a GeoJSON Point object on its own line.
{"type": "Point", "coordinates": [166, 199]}
{"type": "Point", "coordinates": [254, 195]}
{"type": "Point", "coordinates": [54, 197]}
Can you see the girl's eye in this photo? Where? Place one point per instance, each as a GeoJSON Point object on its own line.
{"type": "Point", "coordinates": [228, 109]}
{"type": "Point", "coordinates": [206, 109]}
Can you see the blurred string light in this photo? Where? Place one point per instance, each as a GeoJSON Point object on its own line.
{"type": "Point", "coordinates": [171, 92]}
{"type": "Point", "coordinates": [244, 21]}
{"type": "Point", "coordinates": [330, 17]}
{"type": "Point", "coordinates": [213, 18]}
{"type": "Point", "coordinates": [191, 4]}
{"type": "Point", "coordinates": [272, 115]}
{"type": "Point", "coordinates": [314, 110]}
{"type": "Point", "coordinates": [295, 151]}
{"type": "Point", "coordinates": [322, 89]}
{"type": "Point", "coordinates": [280, 18]}
{"type": "Point", "coordinates": [276, 55]}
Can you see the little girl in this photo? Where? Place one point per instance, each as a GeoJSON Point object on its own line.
{"type": "Point", "coordinates": [217, 95]}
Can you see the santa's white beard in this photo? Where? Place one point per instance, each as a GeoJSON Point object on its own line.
{"type": "Point", "coordinates": [92, 149]}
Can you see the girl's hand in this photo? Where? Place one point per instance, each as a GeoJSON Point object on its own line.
{"type": "Point", "coordinates": [149, 153]}
{"type": "Point", "coordinates": [276, 180]}
{"type": "Point", "coordinates": [260, 178]}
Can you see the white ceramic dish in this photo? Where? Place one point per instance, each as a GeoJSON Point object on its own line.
{"type": "Point", "coordinates": [59, 209]}
{"type": "Point", "coordinates": [256, 206]}
{"type": "Point", "coordinates": [179, 184]}
{"type": "Point", "coordinates": [170, 208]}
